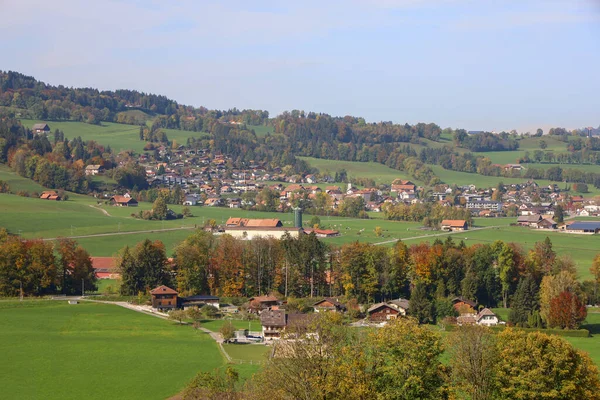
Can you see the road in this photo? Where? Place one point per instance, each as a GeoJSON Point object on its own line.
{"type": "Point", "coordinates": [437, 234]}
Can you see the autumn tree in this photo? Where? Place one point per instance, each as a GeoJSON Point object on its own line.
{"type": "Point", "coordinates": [76, 267]}
{"type": "Point", "coordinates": [143, 268]}
{"type": "Point", "coordinates": [566, 311]}
{"type": "Point", "coordinates": [473, 356]}
{"type": "Point", "coordinates": [534, 365]}
{"type": "Point", "coordinates": [193, 260]}
{"type": "Point", "coordinates": [227, 331]}
{"type": "Point", "coordinates": [552, 286]}
{"type": "Point", "coordinates": [506, 269]}
{"type": "Point", "coordinates": [159, 208]}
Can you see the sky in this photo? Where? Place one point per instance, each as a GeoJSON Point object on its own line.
{"type": "Point", "coordinates": [473, 64]}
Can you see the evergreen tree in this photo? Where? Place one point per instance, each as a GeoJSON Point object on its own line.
{"type": "Point", "coordinates": [525, 301]}
{"type": "Point", "coordinates": [420, 305]}
{"type": "Point", "coordinates": [129, 274]}
{"type": "Point", "coordinates": [559, 214]}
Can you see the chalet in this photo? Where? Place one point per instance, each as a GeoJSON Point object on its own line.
{"type": "Point", "coordinates": [454, 225]}
{"type": "Point", "coordinates": [123, 201]}
{"type": "Point", "coordinates": [50, 195]}
{"type": "Point", "coordinates": [399, 185]}
{"type": "Point", "coordinates": [92, 170]}
{"type": "Point", "coordinates": [105, 267]}
{"type": "Point", "coordinates": [585, 227]}
{"type": "Point", "coordinates": [486, 317]}
{"type": "Point", "coordinates": [260, 303]}
{"type": "Point", "coordinates": [529, 220]}
{"type": "Point", "coordinates": [274, 322]}
{"type": "Point", "coordinates": [547, 223]}
{"type": "Point", "coordinates": [199, 301]}
{"type": "Point", "coordinates": [329, 304]}
{"type": "Point", "coordinates": [164, 298]}
{"type": "Point", "coordinates": [382, 312]}
{"type": "Point", "coordinates": [40, 128]}
{"type": "Point", "coordinates": [460, 302]}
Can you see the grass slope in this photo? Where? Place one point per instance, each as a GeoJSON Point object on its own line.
{"type": "Point", "coordinates": [52, 350]}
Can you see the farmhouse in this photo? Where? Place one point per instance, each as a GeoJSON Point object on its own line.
{"type": "Point", "coordinates": [274, 322]}
{"type": "Point", "coordinates": [454, 225]}
{"type": "Point", "coordinates": [123, 201]}
{"type": "Point", "coordinates": [529, 220]}
{"type": "Point", "coordinates": [40, 128]}
{"type": "Point", "coordinates": [322, 233]}
{"type": "Point", "coordinates": [461, 302]}
{"type": "Point", "coordinates": [105, 267]}
{"type": "Point", "coordinates": [260, 303]}
{"type": "Point", "coordinates": [199, 301]}
{"type": "Point", "coordinates": [50, 195]}
{"type": "Point", "coordinates": [547, 223]}
{"type": "Point", "coordinates": [399, 185]}
{"type": "Point", "coordinates": [486, 317]}
{"type": "Point", "coordinates": [92, 170]}
{"type": "Point", "coordinates": [329, 304]}
{"type": "Point", "coordinates": [244, 228]}
{"type": "Point", "coordinates": [382, 312]}
{"type": "Point", "coordinates": [164, 298]}
{"type": "Point", "coordinates": [585, 227]}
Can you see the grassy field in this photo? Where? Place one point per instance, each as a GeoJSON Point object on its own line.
{"type": "Point", "coordinates": [119, 137]}
{"type": "Point", "coordinates": [52, 350]}
{"type": "Point", "coordinates": [379, 172]}
{"type": "Point", "coordinates": [247, 352]}
{"type": "Point", "coordinates": [216, 324]}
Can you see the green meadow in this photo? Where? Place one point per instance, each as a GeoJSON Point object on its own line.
{"type": "Point", "coordinates": [119, 137]}
{"type": "Point", "coordinates": [53, 350]}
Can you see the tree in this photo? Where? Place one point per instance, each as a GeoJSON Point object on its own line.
{"type": "Point", "coordinates": [186, 212]}
{"type": "Point", "coordinates": [315, 222]}
{"type": "Point", "coordinates": [144, 268]}
{"type": "Point", "coordinates": [473, 356]}
{"type": "Point", "coordinates": [506, 269]}
{"type": "Point", "coordinates": [543, 145]}
{"type": "Point", "coordinates": [227, 331]}
{"type": "Point", "coordinates": [566, 311]}
{"type": "Point", "coordinates": [177, 315]}
{"type": "Point", "coordinates": [420, 305]}
{"type": "Point", "coordinates": [552, 286]}
{"type": "Point", "coordinates": [524, 302]}
{"type": "Point", "coordinates": [559, 214]}
{"type": "Point", "coordinates": [595, 270]}
{"type": "Point", "coordinates": [159, 208]}
{"type": "Point", "coordinates": [378, 231]}
{"type": "Point", "coordinates": [539, 366]}
{"type": "Point", "coordinates": [405, 358]}
{"type": "Point", "coordinates": [216, 385]}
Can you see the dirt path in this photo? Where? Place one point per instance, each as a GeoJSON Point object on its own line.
{"type": "Point", "coordinates": [124, 233]}
{"type": "Point", "coordinates": [100, 209]}
{"type": "Point", "coordinates": [437, 234]}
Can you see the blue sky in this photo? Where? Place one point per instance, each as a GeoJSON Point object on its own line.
{"type": "Point", "coordinates": [475, 64]}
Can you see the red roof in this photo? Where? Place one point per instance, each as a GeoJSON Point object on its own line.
{"type": "Point", "coordinates": [163, 290]}
{"type": "Point", "coordinates": [454, 222]}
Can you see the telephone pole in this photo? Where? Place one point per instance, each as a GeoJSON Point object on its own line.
{"type": "Point", "coordinates": [82, 288]}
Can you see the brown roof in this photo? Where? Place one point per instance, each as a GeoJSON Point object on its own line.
{"type": "Point", "coordinates": [267, 222]}
{"type": "Point", "coordinates": [123, 199]}
{"type": "Point", "coordinates": [454, 222]}
{"type": "Point", "coordinates": [264, 299]}
{"type": "Point", "coordinates": [163, 290]}
{"type": "Point", "coordinates": [272, 318]}
{"type": "Point", "coordinates": [107, 263]}
{"type": "Point", "coordinates": [484, 312]}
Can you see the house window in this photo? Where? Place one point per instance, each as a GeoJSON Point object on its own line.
{"type": "Point", "coordinates": [387, 311]}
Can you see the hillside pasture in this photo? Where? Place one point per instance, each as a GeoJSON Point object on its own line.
{"type": "Point", "coordinates": [53, 350]}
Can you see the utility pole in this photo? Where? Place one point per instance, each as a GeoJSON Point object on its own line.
{"type": "Point", "coordinates": [21, 291]}
{"type": "Point", "coordinates": [82, 288]}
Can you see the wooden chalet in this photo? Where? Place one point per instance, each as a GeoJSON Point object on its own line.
{"type": "Point", "coordinates": [164, 298]}
{"type": "Point", "coordinates": [460, 302]}
{"type": "Point", "coordinates": [275, 322]}
{"type": "Point", "coordinates": [329, 304]}
{"type": "Point", "coordinates": [402, 185]}
{"type": "Point", "coordinates": [260, 303]}
{"type": "Point", "coordinates": [40, 128]}
{"type": "Point", "coordinates": [123, 201]}
{"type": "Point", "coordinates": [382, 312]}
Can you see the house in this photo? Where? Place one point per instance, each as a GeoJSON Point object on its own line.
{"type": "Point", "coordinates": [454, 225]}
{"type": "Point", "coordinates": [486, 317]}
{"type": "Point", "coordinates": [244, 228]}
{"type": "Point", "coordinates": [190, 200]}
{"type": "Point", "coordinates": [105, 267]}
{"type": "Point", "coordinates": [92, 170]}
{"type": "Point", "coordinates": [273, 323]}
{"type": "Point", "coordinates": [199, 301]}
{"type": "Point", "coordinates": [484, 205]}
{"type": "Point", "coordinates": [466, 319]}
{"type": "Point", "coordinates": [399, 185]}
{"type": "Point", "coordinates": [260, 303]}
{"type": "Point", "coordinates": [529, 220]}
{"type": "Point", "coordinates": [323, 233]}
{"type": "Point", "coordinates": [382, 312]}
{"type": "Point", "coordinates": [585, 227]}
{"type": "Point", "coordinates": [329, 304]}
{"type": "Point", "coordinates": [50, 195]}
{"type": "Point", "coordinates": [460, 302]}
{"type": "Point", "coordinates": [164, 298]}
{"type": "Point", "coordinates": [547, 223]}
{"type": "Point", "coordinates": [40, 128]}
{"type": "Point", "coordinates": [122, 201]}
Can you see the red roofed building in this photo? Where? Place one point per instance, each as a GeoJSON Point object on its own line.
{"type": "Point", "coordinates": [399, 185]}
{"type": "Point", "coordinates": [123, 201]}
{"type": "Point", "coordinates": [454, 225]}
{"type": "Point", "coordinates": [50, 195]}
{"type": "Point", "coordinates": [105, 267]}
